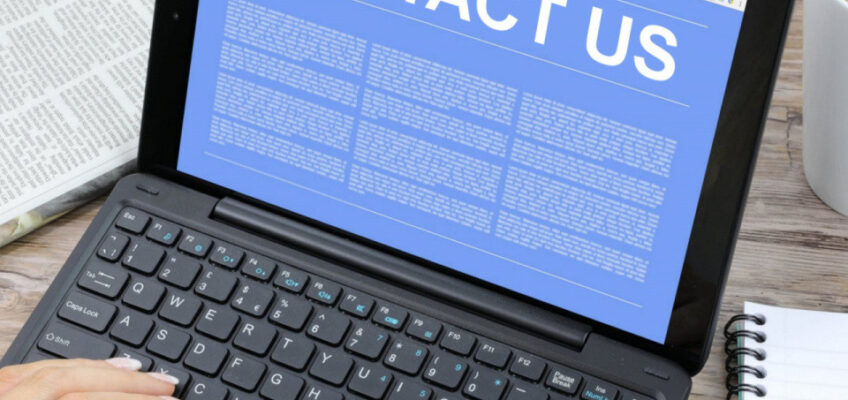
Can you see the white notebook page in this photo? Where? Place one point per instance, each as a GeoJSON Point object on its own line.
{"type": "Point", "coordinates": [806, 353]}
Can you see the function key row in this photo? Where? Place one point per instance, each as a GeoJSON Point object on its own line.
{"type": "Point", "coordinates": [198, 245]}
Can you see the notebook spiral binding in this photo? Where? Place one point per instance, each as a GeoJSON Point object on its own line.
{"type": "Point", "coordinates": [733, 351]}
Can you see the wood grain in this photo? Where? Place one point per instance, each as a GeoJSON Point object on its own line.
{"type": "Point", "coordinates": [792, 249]}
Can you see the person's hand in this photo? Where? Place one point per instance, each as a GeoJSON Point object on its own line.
{"type": "Point", "coordinates": [115, 379]}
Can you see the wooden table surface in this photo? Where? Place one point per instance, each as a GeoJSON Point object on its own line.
{"type": "Point", "coordinates": [792, 249]}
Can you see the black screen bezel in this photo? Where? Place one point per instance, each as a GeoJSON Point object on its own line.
{"type": "Point", "coordinates": [720, 206]}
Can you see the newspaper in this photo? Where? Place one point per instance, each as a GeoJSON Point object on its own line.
{"type": "Point", "coordinates": [72, 76]}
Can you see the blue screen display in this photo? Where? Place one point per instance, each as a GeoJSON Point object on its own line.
{"type": "Point", "coordinates": [556, 148]}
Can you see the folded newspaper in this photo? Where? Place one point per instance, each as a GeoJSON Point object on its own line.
{"type": "Point", "coordinates": [72, 76]}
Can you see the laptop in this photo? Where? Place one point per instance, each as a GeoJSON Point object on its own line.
{"type": "Point", "coordinates": [426, 199]}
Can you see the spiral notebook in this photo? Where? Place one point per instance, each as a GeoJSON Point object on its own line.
{"type": "Point", "coordinates": [778, 353]}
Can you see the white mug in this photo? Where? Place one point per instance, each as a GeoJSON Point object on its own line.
{"type": "Point", "coordinates": [826, 100]}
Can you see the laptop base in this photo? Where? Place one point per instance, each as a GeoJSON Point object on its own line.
{"type": "Point", "coordinates": [508, 359]}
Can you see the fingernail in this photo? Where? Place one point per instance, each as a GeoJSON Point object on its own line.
{"type": "Point", "coordinates": [165, 378]}
{"type": "Point", "coordinates": [168, 398]}
{"type": "Point", "coordinates": [125, 363]}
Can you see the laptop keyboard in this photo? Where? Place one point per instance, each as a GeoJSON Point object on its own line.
{"type": "Point", "coordinates": [232, 324]}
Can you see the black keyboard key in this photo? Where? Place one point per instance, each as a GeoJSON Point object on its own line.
{"type": "Point", "coordinates": [216, 285]}
{"type": "Point", "coordinates": [458, 341]}
{"type": "Point", "coordinates": [371, 382]}
{"type": "Point", "coordinates": [258, 267]}
{"type": "Point", "coordinates": [112, 247]}
{"type": "Point", "coordinates": [324, 292]}
{"type": "Point", "coordinates": [390, 316]}
{"type": "Point", "coordinates": [103, 279]}
{"type": "Point", "coordinates": [446, 371]}
{"type": "Point", "coordinates": [291, 279]}
{"type": "Point", "coordinates": [281, 385]}
{"type": "Point", "coordinates": [293, 351]}
{"type": "Point", "coordinates": [206, 356]}
{"type": "Point", "coordinates": [424, 329]}
{"type": "Point", "coordinates": [182, 376]}
{"type": "Point", "coordinates": [522, 391]}
{"type": "Point", "coordinates": [163, 232]}
{"type": "Point", "coordinates": [87, 312]}
{"type": "Point", "coordinates": [597, 390]}
{"type": "Point", "coordinates": [367, 341]}
{"type": "Point", "coordinates": [206, 390]}
{"type": "Point", "coordinates": [358, 305]}
{"type": "Point", "coordinates": [527, 366]}
{"type": "Point", "coordinates": [625, 395]}
{"type": "Point", "coordinates": [409, 390]}
{"type": "Point", "coordinates": [256, 339]}
{"type": "Point", "coordinates": [493, 354]}
{"type": "Point", "coordinates": [406, 356]}
{"type": "Point", "coordinates": [132, 220]}
{"type": "Point", "coordinates": [243, 373]}
{"type": "Point", "coordinates": [218, 323]}
{"type": "Point", "coordinates": [291, 312]}
{"type": "Point", "coordinates": [179, 271]}
{"type": "Point", "coordinates": [238, 395]}
{"type": "Point", "coordinates": [565, 380]}
{"type": "Point", "coordinates": [195, 244]}
{"type": "Point", "coordinates": [66, 342]}
{"type": "Point", "coordinates": [448, 396]}
{"type": "Point", "coordinates": [331, 367]}
{"type": "Point", "coordinates": [143, 257]}
{"type": "Point", "coordinates": [227, 256]}
{"type": "Point", "coordinates": [329, 328]}
{"type": "Point", "coordinates": [144, 295]}
{"type": "Point", "coordinates": [132, 328]}
{"type": "Point", "coordinates": [253, 298]}
{"type": "Point", "coordinates": [168, 343]}
{"type": "Point", "coordinates": [320, 393]}
{"type": "Point", "coordinates": [180, 309]}
{"type": "Point", "coordinates": [484, 384]}
{"type": "Point", "coordinates": [146, 362]}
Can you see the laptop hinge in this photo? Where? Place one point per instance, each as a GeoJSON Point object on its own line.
{"type": "Point", "coordinates": [428, 281]}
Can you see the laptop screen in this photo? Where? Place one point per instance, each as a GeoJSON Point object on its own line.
{"type": "Point", "coordinates": [555, 148]}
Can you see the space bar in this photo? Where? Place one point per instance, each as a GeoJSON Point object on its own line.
{"type": "Point", "coordinates": [63, 341]}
